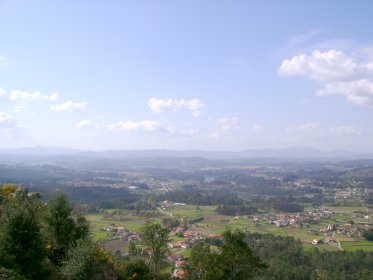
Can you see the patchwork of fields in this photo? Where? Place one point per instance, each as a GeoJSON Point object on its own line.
{"type": "Point", "coordinates": [215, 224]}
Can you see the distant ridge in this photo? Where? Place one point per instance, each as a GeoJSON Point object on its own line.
{"type": "Point", "coordinates": [293, 152]}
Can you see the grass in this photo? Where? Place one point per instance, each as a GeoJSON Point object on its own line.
{"type": "Point", "coordinates": [357, 245]}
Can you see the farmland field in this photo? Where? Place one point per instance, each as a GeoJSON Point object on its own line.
{"type": "Point", "coordinates": [214, 223]}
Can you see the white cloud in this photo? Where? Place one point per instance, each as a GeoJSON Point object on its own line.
{"type": "Point", "coordinates": [313, 129]}
{"type": "Point", "coordinates": [228, 123]}
{"type": "Point", "coordinates": [324, 66]}
{"type": "Point", "coordinates": [146, 126]}
{"type": "Point", "coordinates": [359, 92]}
{"type": "Point", "coordinates": [223, 126]}
{"type": "Point", "coordinates": [174, 105]}
{"type": "Point", "coordinates": [24, 96]}
{"type": "Point", "coordinates": [2, 61]}
{"type": "Point", "coordinates": [84, 123]}
{"type": "Point", "coordinates": [3, 94]}
{"type": "Point", "coordinates": [131, 126]}
{"type": "Point", "coordinates": [178, 131]}
{"type": "Point", "coordinates": [19, 109]}
{"type": "Point", "coordinates": [345, 130]}
{"type": "Point", "coordinates": [349, 75]}
{"type": "Point", "coordinates": [53, 97]}
{"type": "Point", "coordinates": [257, 126]}
{"type": "Point", "coordinates": [126, 126]}
{"type": "Point", "coordinates": [68, 106]}
{"type": "Point", "coordinates": [308, 126]}
{"type": "Point", "coordinates": [299, 40]}
{"type": "Point", "coordinates": [6, 121]}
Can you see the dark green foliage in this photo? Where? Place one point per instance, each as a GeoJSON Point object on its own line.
{"type": "Point", "coordinates": [237, 258]}
{"type": "Point", "coordinates": [21, 244]}
{"type": "Point", "coordinates": [286, 259]}
{"type": "Point", "coordinates": [79, 262]}
{"type": "Point", "coordinates": [234, 260]}
{"type": "Point", "coordinates": [10, 274]}
{"type": "Point", "coordinates": [132, 249]}
{"type": "Point", "coordinates": [87, 261]}
{"type": "Point", "coordinates": [200, 197]}
{"type": "Point", "coordinates": [235, 210]}
{"type": "Point", "coordinates": [134, 269]}
{"type": "Point", "coordinates": [63, 227]}
{"type": "Point", "coordinates": [203, 264]}
{"type": "Point", "coordinates": [368, 235]}
{"type": "Point", "coordinates": [170, 223]}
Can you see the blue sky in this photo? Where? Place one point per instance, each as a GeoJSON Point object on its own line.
{"type": "Point", "coordinates": [212, 75]}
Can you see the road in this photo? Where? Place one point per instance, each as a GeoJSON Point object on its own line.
{"type": "Point", "coordinates": [339, 243]}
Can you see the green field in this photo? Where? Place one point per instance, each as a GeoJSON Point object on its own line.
{"type": "Point", "coordinates": [214, 223]}
{"type": "Point", "coordinates": [358, 245]}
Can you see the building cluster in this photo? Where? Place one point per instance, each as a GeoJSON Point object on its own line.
{"type": "Point", "coordinates": [295, 220]}
{"type": "Point", "coordinates": [122, 233]}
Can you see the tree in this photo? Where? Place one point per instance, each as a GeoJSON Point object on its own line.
{"type": "Point", "coordinates": [154, 241]}
{"type": "Point", "coordinates": [132, 249]}
{"type": "Point", "coordinates": [86, 261]}
{"type": "Point", "coordinates": [237, 259]}
{"type": "Point", "coordinates": [134, 269]}
{"type": "Point", "coordinates": [63, 227]}
{"type": "Point", "coordinates": [368, 235]}
{"type": "Point", "coordinates": [21, 243]}
{"type": "Point", "coordinates": [203, 264]}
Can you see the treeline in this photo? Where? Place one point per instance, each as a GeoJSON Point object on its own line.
{"type": "Point", "coordinates": [97, 197]}
{"type": "Point", "coordinates": [265, 256]}
{"type": "Point", "coordinates": [235, 210]}
{"type": "Point", "coordinates": [282, 204]}
{"type": "Point", "coordinates": [287, 259]}
{"type": "Point", "coordinates": [200, 197]}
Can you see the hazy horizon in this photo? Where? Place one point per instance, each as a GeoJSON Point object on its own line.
{"type": "Point", "coordinates": [211, 75]}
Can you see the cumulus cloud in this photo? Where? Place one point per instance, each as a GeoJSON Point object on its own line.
{"type": "Point", "coordinates": [174, 105]}
{"type": "Point", "coordinates": [68, 106]}
{"type": "Point", "coordinates": [338, 73]}
{"type": "Point", "coordinates": [359, 92]}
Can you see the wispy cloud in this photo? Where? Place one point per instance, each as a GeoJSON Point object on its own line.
{"type": "Point", "coordinates": [146, 126]}
{"type": "Point", "coordinates": [257, 126]}
{"type": "Point", "coordinates": [2, 61]}
{"type": "Point", "coordinates": [6, 121]}
{"type": "Point", "coordinates": [224, 125]}
{"type": "Point", "coordinates": [24, 96]}
{"type": "Point", "coordinates": [345, 130]}
{"type": "Point", "coordinates": [174, 105]}
{"type": "Point", "coordinates": [68, 106]}
{"type": "Point", "coordinates": [227, 123]}
{"type": "Point", "coordinates": [19, 109]}
{"type": "Point", "coordinates": [299, 40]}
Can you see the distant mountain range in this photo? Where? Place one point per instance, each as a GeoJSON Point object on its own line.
{"type": "Point", "coordinates": [294, 152]}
